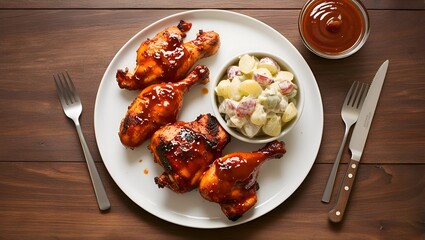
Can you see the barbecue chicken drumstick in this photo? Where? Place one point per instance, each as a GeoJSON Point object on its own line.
{"type": "Point", "coordinates": [166, 58]}
{"type": "Point", "coordinates": [186, 149]}
{"type": "Point", "coordinates": [231, 181]}
{"type": "Point", "coordinates": [156, 106]}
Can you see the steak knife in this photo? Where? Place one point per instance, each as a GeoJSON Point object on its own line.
{"type": "Point", "coordinates": [358, 141]}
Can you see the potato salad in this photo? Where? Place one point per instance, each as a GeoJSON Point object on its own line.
{"type": "Point", "coordinates": [257, 97]}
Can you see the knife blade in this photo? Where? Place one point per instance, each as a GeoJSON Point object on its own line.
{"type": "Point", "coordinates": [358, 141]}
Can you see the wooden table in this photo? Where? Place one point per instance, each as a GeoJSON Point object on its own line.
{"type": "Point", "coordinates": [45, 191]}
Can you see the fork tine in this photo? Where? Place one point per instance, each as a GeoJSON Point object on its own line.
{"type": "Point", "coordinates": [360, 95]}
{"type": "Point", "coordinates": [68, 91]}
{"type": "Point", "coordinates": [363, 95]}
{"type": "Point", "coordinates": [351, 93]}
{"type": "Point", "coordinates": [60, 90]}
{"type": "Point", "coordinates": [357, 95]}
{"type": "Point", "coordinates": [71, 86]}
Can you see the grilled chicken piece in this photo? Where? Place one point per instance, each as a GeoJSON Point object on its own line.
{"type": "Point", "coordinates": [156, 106]}
{"type": "Point", "coordinates": [166, 58]}
{"type": "Point", "coordinates": [186, 149]}
{"type": "Point", "coordinates": [231, 181]}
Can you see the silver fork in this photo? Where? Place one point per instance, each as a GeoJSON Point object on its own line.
{"type": "Point", "coordinates": [349, 113]}
{"type": "Point", "coordinates": [72, 107]}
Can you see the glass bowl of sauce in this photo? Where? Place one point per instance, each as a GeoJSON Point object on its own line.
{"type": "Point", "coordinates": [334, 29]}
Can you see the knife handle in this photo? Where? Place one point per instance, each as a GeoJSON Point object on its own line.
{"type": "Point", "coordinates": [337, 213]}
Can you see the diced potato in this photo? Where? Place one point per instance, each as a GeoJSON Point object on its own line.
{"type": "Point", "coordinates": [284, 76]}
{"type": "Point", "coordinates": [247, 64]}
{"type": "Point", "coordinates": [290, 112]}
{"type": "Point", "coordinates": [270, 64]}
{"type": "Point", "coordinates": [223, 89]}
{"type": "Point", "coordinates": [283, 104]}
{"type": "Point", "coordinates": [263, 76]}
{"type": "Point", "coordinates": [238, 121]}
{"type": "Point", "coordinates": [259, 116]}
{"type": "Point", "coordinates": [245, 107]}
{"type": "Point", "coordinates": [273, 126]}
{"type": "Point", "coordinates": [286, 87]}
{"type": "Point", "coordinates": [250, 88]}
{"type": "Point", "coordinates": [250, 130]}
{"type": "Point", "coordinates": [263, 71]}
{"type": "Point", "coordinates": [228, 107]}
{"type": "Point", "coordinates": [234, 86]}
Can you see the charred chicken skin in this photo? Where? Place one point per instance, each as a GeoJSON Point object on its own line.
{"type": "Point", "coordinates": [231, 181]}
{"type": "Point", "coordinates": [185, 150]}
{"type": "Point", "coordinates": [167, 58]}
{"type": "Point", "coordinates": [156, 106]}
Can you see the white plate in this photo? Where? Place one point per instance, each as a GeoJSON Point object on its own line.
{"type": "Point", "coordinates": [278, 178]}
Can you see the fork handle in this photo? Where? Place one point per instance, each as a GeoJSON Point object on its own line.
{"type": "Point", "coordinates": [102, 198]}
{"type": "Point", "coordinates": [332, 176]}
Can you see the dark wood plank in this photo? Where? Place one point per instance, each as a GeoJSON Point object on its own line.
{"type": "Point", "coordinates": [170, 4]}
{"type": "Point", "coordinates": [36, 44]}
{"type": "Point", "coordinates": [55, 200]}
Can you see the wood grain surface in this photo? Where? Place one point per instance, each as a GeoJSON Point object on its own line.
{"type": "Point", "coordinates": [45, 190]}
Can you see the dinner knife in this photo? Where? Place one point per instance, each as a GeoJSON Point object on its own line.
{"type": "Point", "coordinates": [357, 142]}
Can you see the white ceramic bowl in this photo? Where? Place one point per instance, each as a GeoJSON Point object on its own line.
{"type": "Point", "coordinates": [262, 138]}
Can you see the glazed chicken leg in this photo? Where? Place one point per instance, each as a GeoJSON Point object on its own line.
{"type": "Point", "coordinates": [186, 149]}
{"type": "Point", "coordinates": [166, 58]}
{"type": "Point", "coordinates": [156, 106]}
{"type": "Point", "coordinates": [231, 181]}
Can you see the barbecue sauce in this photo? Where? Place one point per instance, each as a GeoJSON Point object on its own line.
{"type": "Point", "coordinates": [332, 27]}
{"type": "Point", "coordinates": [172, 57]}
